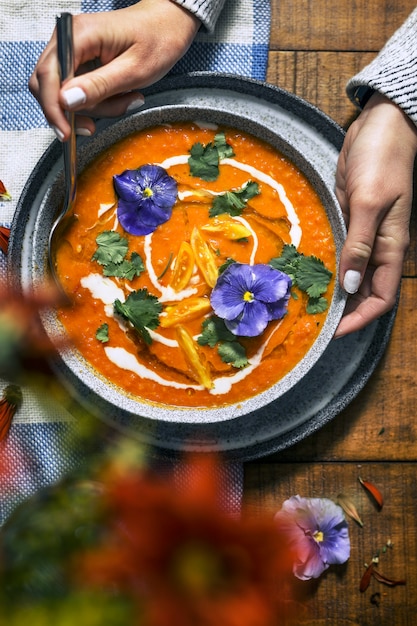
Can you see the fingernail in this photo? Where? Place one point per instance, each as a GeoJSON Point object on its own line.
{"type": "Point", "coordinates": [135, 104]}
{"type": "Point", "coordinates": [74, 97]}
{"type": "Point", "coordinates": [351, 281]}
{"type": "Point", "coordinates": [83, 132]}
{"type": "Point", "coordinates": [59, 134]}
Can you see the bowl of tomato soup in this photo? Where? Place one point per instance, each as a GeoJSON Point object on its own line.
{"type": "Point", "coordinates": [201, 266]}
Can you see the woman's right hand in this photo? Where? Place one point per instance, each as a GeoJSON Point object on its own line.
{"type": "Point", "coordinates": [130, 48]}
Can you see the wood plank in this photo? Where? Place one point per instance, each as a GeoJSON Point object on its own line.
{"type": "Point", "coordinates": [335, 597]}
{"type": "Point", "coordinates": [363, 25]}
{"type": "Point", "coordinates": [319, 78]}
{"type": "Point", "coordinates": [388, 402]}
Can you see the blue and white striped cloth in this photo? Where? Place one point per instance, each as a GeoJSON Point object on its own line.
{"type": "Point", "coordinates": [239, 45]}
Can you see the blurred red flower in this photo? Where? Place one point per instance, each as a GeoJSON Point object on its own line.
{"type": "Point", "coordinates": [182, 559]}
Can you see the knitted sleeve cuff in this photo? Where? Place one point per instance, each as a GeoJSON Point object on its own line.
{"type": "Point", "coordinates": [393, 72]}
{"type": "Point", "coordinates": [207, 11]}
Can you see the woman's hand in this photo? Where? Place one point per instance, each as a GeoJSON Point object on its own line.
{"type": "Point", "coordinates": [374, 185]}
{"type": "Point", "coordinates": [130, 49]}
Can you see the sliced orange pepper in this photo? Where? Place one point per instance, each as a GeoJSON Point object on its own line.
{"type": "Point", "coordinates": [204, 258]}
{"type": "Point", "coordinates": [183, 267]}
{"type": "Point", "coordinates": [184, 311]}
{"type": "Point", "coordinates": [189, 347]}
{"type": "Point", "coordinates": [227, 226]}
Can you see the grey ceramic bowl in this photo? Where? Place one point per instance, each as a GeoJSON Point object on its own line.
{"type": "Point", "coordinates": [284, 123]}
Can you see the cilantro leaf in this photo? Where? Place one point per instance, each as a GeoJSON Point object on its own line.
{"type": "Point", "coordinates": [316, 305]}
{"type": "Point", "coordinates": [308, 273]}
{"type": "Point", "coordinates": [233, 202]}
{"type": "Point", "coordinates": [112, 248]}
{"type": "Point", "coordinates": [126, 269]}
{"type": "Point", "coordinates": [102, 333]}
{"type": "Point", "coordinates": [204, 160]}
{"type": "Point", "coordinates": [142, 310]}
{"type": "Point", "coordinates": [312, 276]}
{"type": "Point", "coordinates": [224, 149]}
{"type": "Point", "coordinates": [214, 332]}
{"type": "Point", "coordinates": [233, 352]}
{"type": "Point", "coordinates": [111, 254]}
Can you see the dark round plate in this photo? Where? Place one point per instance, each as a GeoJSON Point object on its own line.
{"type": "Point", "coordinates": [346, 364]}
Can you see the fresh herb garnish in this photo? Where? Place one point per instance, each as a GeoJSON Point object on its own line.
{"type": "Point", "coordinates": [102, 333]}
{"type": "Point", "coordinates": [111, 254]}
{"type": "Point", "coordinates": [214, 332]}
{"type": "Point", "coordinates": [142, 310]}
{"type": "Point", "coordinates": [112, 248]}
{"type": "Point", "coordinates": [225, 265]}
{"type": "Point", "coordinates": [308, 273]}
{"type": "Point", "coordinates": [233, 202]}
{"type": "Point", "coordinates": [204, 160]}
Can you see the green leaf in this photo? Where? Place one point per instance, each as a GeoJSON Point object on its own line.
{"type": "Point", "coordinates": [224, 150]}
{"type": "Point", "coordinates": [312, 276]}
{"type": "Point", "coordinates": [126, 269]}
{"type": "Point", "coordinates": [316, 305]}
{"type": "Point", "coordinates": [233, 202]}
{"type": "Point", "coordinates": [308, 273]}
{"type": "Point", "coordinates": [214, 333]}
{"type": "Point", "coordinates": [111, 254]}
{"type": "Point", "coordinates": [102, 333]}
{"type": "Point", "coordinates": [233, 352]}
{"type": "Point", "coordinates": [204, 160]}
{"type": "Point", "coordinates": [142, 310]}
{"type": "Point", "coordinates": [225, 265]}
{"type": "Point", "coordinates": [112, 248]}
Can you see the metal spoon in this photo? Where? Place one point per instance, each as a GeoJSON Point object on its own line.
{"type": "Point", "coordinates": [66, 66]}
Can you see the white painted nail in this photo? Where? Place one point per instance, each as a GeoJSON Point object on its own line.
{"type": "Point", "coordinates": [135, 104]}
{"type": "Point", "coordinates": [83, 132]}
{"type": "Point", "coordinates": [74, 97]}
{"type": "Point", "coordinates": [59, 134]}
{"type": "Point", "coordinates": [351, 281]}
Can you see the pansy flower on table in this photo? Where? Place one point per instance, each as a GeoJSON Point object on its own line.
{"type": "Point", "coordinates": [317, 532]}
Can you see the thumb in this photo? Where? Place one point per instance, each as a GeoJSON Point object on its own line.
{"type": "Point", "coordinates": [86, 91]}
{"type": "Point", "coordinates": [357, 250]}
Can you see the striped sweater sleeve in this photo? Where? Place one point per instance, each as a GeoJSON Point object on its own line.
{"type": "Point", "coordinates": [207, 11]}
{"type": "Point", "coordinates": [393, 72]}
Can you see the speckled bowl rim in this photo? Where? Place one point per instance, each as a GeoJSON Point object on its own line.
{"type": "Point", "coordinates": [74, 361]}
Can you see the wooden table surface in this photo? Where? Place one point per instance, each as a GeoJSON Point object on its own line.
{"type": "Point", "coordinates": [315, 47]}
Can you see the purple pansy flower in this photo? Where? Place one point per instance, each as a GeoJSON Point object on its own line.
{"type": "Point", "coordinates": [248, 297]}
{"type": "Point", "coordinates": [317, 533]}
{"type": "Point", "coordinates": [146, 197]}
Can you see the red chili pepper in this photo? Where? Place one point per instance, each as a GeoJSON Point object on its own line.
{"type": "Point", "coordinates": [374, 491]}
{"type": "Point", "coordinates": [4, 238]}
{"type": "Point", "coordinates": [387, 581]}
{"type": "Point", "coordinates": [366, 578]}
{"type": "Point", "coordinates": [4, 194]}
{"type": "Point", "coordinates": [10, 402]}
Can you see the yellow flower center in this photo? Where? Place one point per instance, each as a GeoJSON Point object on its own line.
{"type": "Point", "coordinates": [248, 296]}
{"type": "Point", "coordinates": [318, 536]}
{"type": "Point", "coordinates": [147, 192]}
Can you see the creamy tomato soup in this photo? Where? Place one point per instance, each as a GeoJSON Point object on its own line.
{"type": "Point", "coordinates": [143, 307]}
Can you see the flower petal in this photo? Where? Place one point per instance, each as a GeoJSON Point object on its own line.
{"type": "Point", "coordinates": [146, 197]}
{"type": "Point", "coordinates": [252, 321]}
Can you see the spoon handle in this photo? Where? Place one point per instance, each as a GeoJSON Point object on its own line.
{"type": "Point", "coordinates": [66, 68]}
